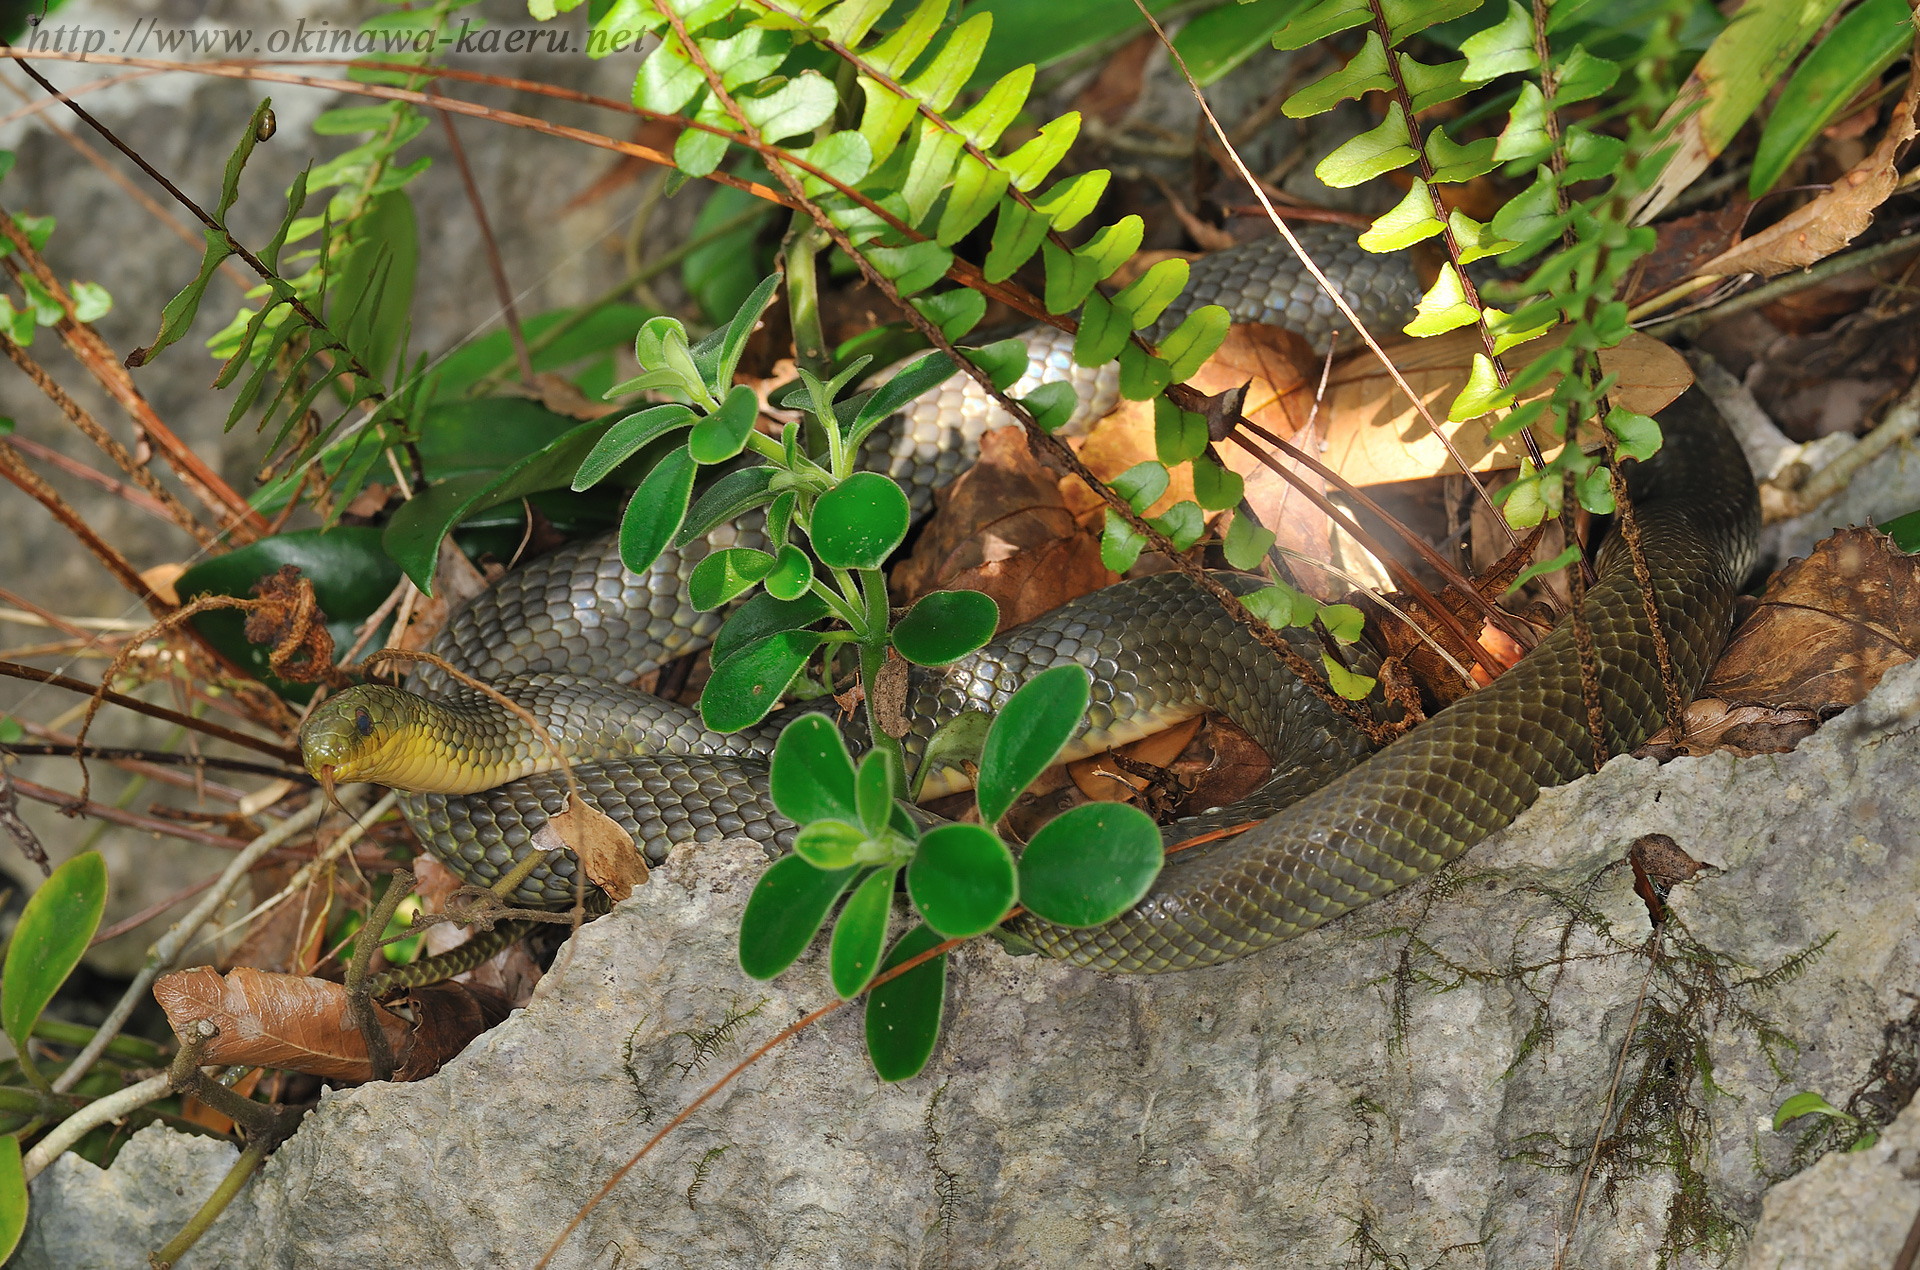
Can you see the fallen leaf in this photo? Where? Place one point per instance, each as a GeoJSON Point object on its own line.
{"type": "Point", "coordinates": [288, 1022]}
{"type": "Point", "coordinates": [607, 852]}
{"type": "Point", "coordinates": [1234, 766]}
{"type": "Point", "coordinates": [160, 580]}
{"type": "Point", "coordinates": [369, 501]}
{"type": "Point", "coordinates": [1374, 434]}
{"type": "Point", "coordinates": [197, 1112]}
{"type": "Point", "coordinates": [1104, 781]}
{"type": "Point", "coordinates": [1004, 528]}
{"type": "Point", "coordinates": [1820, 228]}
{"type": "Point", "coordinates": [1714, 724]}
{"type": "Point", "coordinates": [1683, 243]}
{"type": "Point", "coordinates": [446, 1018]}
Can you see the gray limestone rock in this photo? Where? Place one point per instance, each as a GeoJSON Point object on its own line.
{"type": "Point", "coordinates": [1422, 1080]}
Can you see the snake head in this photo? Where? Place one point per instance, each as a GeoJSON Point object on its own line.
{"type": "Point", "coordinates": [355, 736]}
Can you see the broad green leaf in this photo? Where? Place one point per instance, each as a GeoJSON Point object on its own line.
{"type": "Point", "coordinates": [1247, 542]}
{"type": "Point", "coordinates": [1638, 436]}
{"type": "Point", "coordinates": [909, 382]}
{"type": "Point", "coordinates": [1071, 277]}
{"type": "Point", "coordinates": [1214, 487]}
{"type": "Point", "coordinates": [1280, 606]}
{"type": "Point", "coordinates": [51, 936]}
{"type": "Point", "coordinates": [726, 498]}
{"type": "Point", "coordinates": [873, 786]}
{"type": "Point", "coordinates": [860, 934]}
{"type": "Point", "coordinates": [858, 523]}
{"type": "Point", "coordinates": [725, 574]}
{"type": "Point", "coordinates": [1104, 331]}
{"type": "Point", "coordinates": [1525, 139]}
{"type": "Point", "coordinates": [976, 190]}
{"type": "Point", "coordinates": [1591, 154]}
{"type": "Point", "coordinates": [785, 911]}
{"type": "Point", "coordinates": [1218, 40]}
{"type": "Point", "coordinates": [413, 536]}
{"type": "Point", "coordinates": [1372, 153]}
{"type": "Point", "coordinates": [1343, 621]}
{"type": "Point", "coordinates": [1178, 435]}
{"type": "Point", "coordinates": [1581, 75]}
{"type": "Point", "coordinates": [1444, 307]}
{"type": "Point", "coordinates": [1411, 221]}
{"type": "Point", "coordinates": [1507, 333]}
{"type": "Point", "coordinates": [726, 358]}
{"type": "Point", "coordinates": [1501, 49]}
{"type": "Point", "coordinates": [792, 574]}
{"type": "Point", "coordinates": [1195, 340]}
{"type": "Point", "coordinates": [1904, 530]}
{"type": "Point", "coordinates": [698, 153]}
{"type": "Point", "coordinates": [655, 512]}
{"type": "Point", "coordinates": [896, 54]}
{"type": "Point", "coordinates": [1068, 202]}
{"type": "Point", "coordinates": [1405, 17]}
{"type": "Point", "coordinates": [1143, 483]}
{"type": "Point", "coordinates": [829, 844]}
{"type": "Point", "coordinates": [1005, 361]}
{"type": "Point", "coordinates": [667, 80]}
{"type": "Point", "coordinates": [350, 571]}
{"type": "Point", "coordinates": [913, 268]}
{"type": "Point", "coordinates": [945, 626]}
{"type": "Point", "coordinates": [761, 616]}
{"type": "Point", "coordinates": [1482, 395]}
{"type": "Point", "coordinates": [1033, 162]}
{"type": "Point", "coordinates": [1431, 85]}
{"type": "Point", "coordinates": [812, 777]}
{"type": "Point", "coordinates": [1113, 245]}
{"type": "Point", "coordinates": [745, 688]}
{"type": "Point", "coordinates": [953, 746]}
{"type": "Point", "coordinates": [955, 312]}
{"type": "Point", "coordinates": [1052, 404]}
{"type": "Point", "coordinates": [1474, 240]}
{"type": "Point", "coordinates": [798, 106]}
{"type": "Point", "coordinates": [1541, 568]}
{"type": "Point", "coordinates": [1803, 1104]}
{"type": "Point", "coordinates": [845, 156]}
{"type": "Point", "coordinates": [723, 434]}
{"type": "Point", "coordinates": [745, 57]}
{"type": "Point", "coordinates": [1365, 73]}
{"type": "Point", "coordinates": [1143, 375]}
{"type": "Point", "coordinates": [1326, 18]}
{"type": "Point", "coordinates": [1349, 684]}
{"type": "Point", "coordinates": [1090, 864]}
{"type": "Point", "coordinates": [1532, 214]}
{"type": "Point", "coordinates": [849, 22]}
{"type": "Point", "coordinates": [931, 165]}
{"type": "Point", "coordinates": [13, 1196]}
{"type": "Point", "coordinates": [1028, 734]}
{"type": "Point", "coordinates": [1120, 543]}
{"type": "Point", "coordinates": [1455, 163]}
{"type": "Point", "coordinates": [887, 116]}
{"type": "Point", "coordinates": [949, 71]}
{"type": "Point", "coordinates": [1017, 234]}
{"type": "Point", "coordinates": [1846, 60]}
{"type": "Point", "coordinates": [903, 1014]}
{"type": "Point", "coordinates": [627, 438]}
{"type": "Point", "coordinates": [90, 301]}
{"type": "Point", "coordinates": [1147, 297]}
{"type": "Point", "coordinates": [962, 879]}
{"type": "Point", "coordinates": [987, 118]}
{"type": "Point", "coordinates": [1183, 522]}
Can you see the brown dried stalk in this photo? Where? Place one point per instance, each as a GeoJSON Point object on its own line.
{"type": "Point", "coordinates": [13, 469]}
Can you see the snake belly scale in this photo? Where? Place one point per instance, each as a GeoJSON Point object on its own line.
{"type": "Point", "coordinates": [566, 635]}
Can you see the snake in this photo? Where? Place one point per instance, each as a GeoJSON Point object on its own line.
{"type": "Point", "coordinates": [1335, 826]}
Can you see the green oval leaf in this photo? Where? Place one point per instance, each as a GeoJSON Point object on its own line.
{"type": "Point", "coordinates": [746, 687]}
{"type": "Point", "coordinates": [1802, 1104]}
{"type": "Point", "coordinates": [812, 777]}
{"type": "Point", "coordinates": [945, 626]}
{"type": "Point", "coordinates": [13, 1196]}
{"type": "Point", "coordinates": [787, 906]}
{"type": "Point", "coordinates": [1031, 729]}
{"type": "Point", "coordinates": [53, 933]}
{"type": "Point", "coordinates": [627, 438]}
{"type": "Point", "coordinates": [1143, 483]}
{"type": "Point", "coordinates": [761, 616]}
{"type": "Point", "coordinates": [903, 1014]}
{"type": "Point", "coordinates": [726, 498]}
{"type": "Point", "coordinates": [723, 434]}
{"type": "Point", "coordinates": [1090, 864]}
{"type": "Point", "coordinates": [1052, 404]}
{"type": "Point", "coordinates": [858, 523]}
{"type": "Point", "coordinates": [860, 936]}
{"type": "Point", "coordinates": [873, 790]}
{"type": "Point", "coordinates": [828, 844]}
{"type": "Point", "coordinates": [654, 513]}
{"type": "Point", "coordinates": [791, 576]}
{"type": "Point", "coordinates": [725, 574]}
{"type": "Point", "coordinates": [962, 880]}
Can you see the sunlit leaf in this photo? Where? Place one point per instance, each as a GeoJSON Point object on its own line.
{"type": "Point", "coordinates": [1028, 734]}
{"type": "Point", "coordinates": [1090, 864]}
{"type": "Point", "coordinates": [785, 911]}
{"type": "Point", "coordinates": [48, 941]}
{"type": "Point", "coordinates": [962, 879]}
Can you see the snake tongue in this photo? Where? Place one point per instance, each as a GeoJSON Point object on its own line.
{"type": "Point", "coordinates": [325, 775]}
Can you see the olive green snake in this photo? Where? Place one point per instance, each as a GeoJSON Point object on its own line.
{"type": "Point", "coordinates": [567, 634]}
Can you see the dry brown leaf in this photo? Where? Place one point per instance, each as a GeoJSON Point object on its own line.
{"type": "Point", "coordinates": [160, 580]}
{"type": "Point", "coordinates": [285, 1021]}
{"type": "Point", "coordinates": [1826, 629]}
{"type": "Point", "coordinates": [455, 581]}
{"type": "Point", "coordinates": [1005, 528]}
{"type": "Point", "coordinates": [1713, 724]}
{"type": "Point", "coordinates": [1236, 765]}
{"type": "Point", "coordinates": [447, 1016]}
{"type": "Point", "coordinates": [1811, 233]}
{"type": "Point", "coordinates": [607, 852]}
{"type": "Point", "coordinates": [1375, 434]}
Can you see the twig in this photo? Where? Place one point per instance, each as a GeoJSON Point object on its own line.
{"type": "Point", "coordinates": [147, 914]}
{"type": "Point", "coordinates": [92, 476]}
{"type": "Point", "coordinates": [379, 1053]}
{"type": "Point", "coordinates": [1606, 1112]}
{"type": "Point", "coordinates": [1583, 632]}
{"type": "Point", "coordinates": [70, 805]}
{"type": "Point", "coordinates": [16, 471]}
{"type": "Point", "coordinates": [112, 753]}
{"type": "Point", "coordinates": [1692, 324]}
{"type": "Point", "coordinates": [495, 265]}
{"type": "Point", "coordinates": [169, 945]}
{"type": "Point", "coordinates": [22, 834]}
{"type": "Point", "coordinates": [284, 753]}
{"type": "Point", "coordinates": [90, 1117]}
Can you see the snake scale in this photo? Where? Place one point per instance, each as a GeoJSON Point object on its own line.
{"type": "Point", "coordinates": [566, 635]}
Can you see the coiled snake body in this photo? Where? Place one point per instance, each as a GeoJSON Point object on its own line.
{"type": "Point", "coordinates": [565, 635]}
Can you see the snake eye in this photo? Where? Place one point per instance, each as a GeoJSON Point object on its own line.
{"type": "Point", "coordinates": [362, 721]}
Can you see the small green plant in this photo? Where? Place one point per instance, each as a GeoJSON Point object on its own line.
{"type": "Point", "coordinates": [1081, 869]}
{"type": "Point", "coordinates": [1808, 1103]}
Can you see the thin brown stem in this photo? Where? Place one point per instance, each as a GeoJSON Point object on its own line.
{"type": "Point", "coordinates": [91, 475]}
{"type": "Point", "coordinates": [285, 754]}
{"type": "Point", "coordinates": [119, 816]}
{"type": "Point", "coordinates": [1643, 575]}
{"type": "Point", "coordinates": [16, 471]}
{"type": "Point", "coordinates": [379, 1053]}
{"type": "Point", "coordinates": [495, 265]}
{"type": "Point", "coordinates": [1583, 633]}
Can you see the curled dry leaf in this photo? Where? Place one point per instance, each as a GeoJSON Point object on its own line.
{"type": "Point", "coordinates": [1104, 781]}
{"type": "Point", "coordinates": [1005, 528]}
{"type": "Point", "coordinates": [607, 852]}
{"type": "Point", "coordinates": [446, 1017]}
{"type": "Point", "coordinates": [1375, 434]}
{"type": "Point", "coordinates": [1822, 635]}
{"type": "Point", "coordinates": [1811, 233]}
{"type": "Point", "coordinates": [267, 1020]}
